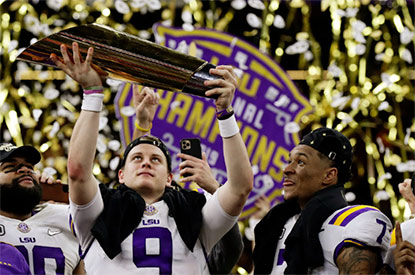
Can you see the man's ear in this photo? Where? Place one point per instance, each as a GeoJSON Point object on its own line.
{"type": "Point", "coordinates": [169, 179]}
{"type": "Point", "coordinates": [121, 175]}
{"type": "Point", "coordinates": [330, 177]}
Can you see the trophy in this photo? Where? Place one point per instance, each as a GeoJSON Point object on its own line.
{"type": "Point", "coordinates": [125, 57]}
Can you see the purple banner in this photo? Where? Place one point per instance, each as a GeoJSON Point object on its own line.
{"type": "Point", "coordinates": [268, 107]}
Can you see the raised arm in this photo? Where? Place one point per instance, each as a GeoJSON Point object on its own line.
{"type": "Point", "coordinates": [145, 101]}
{"type": "Point", "coordinates": [234, 193]}
{"type": "Point", "coordinates": [403, 254]}
{"type": "Point", "coordinates": [82, 147]}
{"type": "Point", "coordinates": [408, 194]}
{"type": "Point", "coordinates": [225, 254]}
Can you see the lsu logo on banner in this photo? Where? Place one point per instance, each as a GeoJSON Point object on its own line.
{"type": "Point", "coordinates": [268, 107]}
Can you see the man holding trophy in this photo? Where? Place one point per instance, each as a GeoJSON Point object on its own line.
{"type": "Point", "coordinates": [145, 226]}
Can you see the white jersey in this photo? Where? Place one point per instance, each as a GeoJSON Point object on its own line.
{"type": "Point", "coordinates": [408, 234]}
{"type": "Point", "coordinates": [155, 246]}
{"type": "Point", "coordinates": [279, 263]}
{"type": "Point", "coordinates": [360, 225]}
{"type": "Point", "coordinates": [45, 239]}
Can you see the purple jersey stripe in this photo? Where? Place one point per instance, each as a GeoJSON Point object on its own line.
{"type": "Point", "coordinates": [280, 260]}
{"type": "Point", "coordinates": [353, 215]}
{"type": "Point", "coordinates": [338, 214]}
{"type": "Point", "coordinates": [72, 225]}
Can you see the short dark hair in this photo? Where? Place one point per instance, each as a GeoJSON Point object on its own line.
{"type": "Point", "coordinates": [148, 139]}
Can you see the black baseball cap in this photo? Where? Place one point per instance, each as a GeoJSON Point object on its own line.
{"type": "Point", "coordinates": [30, 153]}
{"type": "Point", "coordinates": [148, 139]}
{"type": "Point", "coordinates": [334, 146]}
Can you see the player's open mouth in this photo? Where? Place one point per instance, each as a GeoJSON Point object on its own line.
{"type": "Point", "coordinates": [26, 180]}
{"type": "Point", "coordinates": [288, 182]}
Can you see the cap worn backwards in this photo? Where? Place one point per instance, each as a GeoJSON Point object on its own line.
{"type": "Point", "coordinates": [30, 153]}
{"type": "Point", "coordinates": [148, 139]}
{"type": "Point", "coordinates": [334, 146]}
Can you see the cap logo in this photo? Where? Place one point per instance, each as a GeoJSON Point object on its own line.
{"type": "Point", "coordinates": [332, 155]}
{"type": "Point", "coordinates": [7, 147]}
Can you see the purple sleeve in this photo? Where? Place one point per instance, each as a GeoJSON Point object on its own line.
{"type": "Point", "coordinates": [12, 261]}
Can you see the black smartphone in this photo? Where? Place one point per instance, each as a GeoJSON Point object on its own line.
{"type": "Point", "coordinates": [413, 183]}
{"type": "Point", "coordinates": [191, 146]}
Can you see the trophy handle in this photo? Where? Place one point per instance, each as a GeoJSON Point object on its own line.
{"type": "Point", "coordinates": [195, 84]}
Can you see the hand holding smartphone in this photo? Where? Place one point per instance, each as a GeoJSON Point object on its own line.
{"type": "Point", "coordinates": [191, 146]}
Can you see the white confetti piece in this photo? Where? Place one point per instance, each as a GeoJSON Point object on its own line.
{"type": "Point", "coordinates": [54, 4]}
{"type": "Point", "coordinates": [253, 20]}
{"type": "Point", "coordinates": [279, 22]}
{"type": "Point", "coordinates": [122, 7]}
{"type": "Point", "coordinates": [12, 45]}
{"type": "Point", "coordinates": [256, 4]}
{"type": "Point", "coordinates": [292, 127]}
{"type": "Point", "coordinates": [36, 114]}
{"type": "Point", "coordinates": [187, 16]}
{"type": "Point", "coordinates": [54, 130]}
{"type": "Point", "coordinates": [103, 121]}
{"type": "Point", "coordinates": [114, 163]}
{"type": "Point", "coordinates": [360, 49]}
{"type": "Point", "coordinates": [407, 56]}
{"type": "Point", "coordinates": [127, 111]}
{"type": "Point", "coordinates": [49, 171]}
{"type": "Point", "coordinates": [238, 4]}
{"type": "Point", "coordinates": [114, 145]}
{"type": "Point", "coordinates": [51, 93]}
{"type": "Point", "coordinates": [406, 36]}
{"type": "Point", "coordinates": [298, 47]}
{"type": "Point", "coordinates": [308, 55]}
{"type": "Point", "coordinates": [383, 106]}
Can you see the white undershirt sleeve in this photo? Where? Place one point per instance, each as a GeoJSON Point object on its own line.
{"type": "Point", "coordinates": [84, 217]}
{"type": "Point", "coordinates": [216, 223]}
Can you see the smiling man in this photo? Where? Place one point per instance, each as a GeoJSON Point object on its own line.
{"type": "Point", "coordinates": [145, 226]}
{"type": "Point", "coordinates": [313, 230]}
{"type": "Point", "coordinates": [40, 232]}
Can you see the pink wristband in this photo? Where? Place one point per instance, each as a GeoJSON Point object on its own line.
{"type": "Point", "coordinates": [88, 92]}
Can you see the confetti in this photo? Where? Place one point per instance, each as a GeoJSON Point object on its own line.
{"type": "Point", "coordinates": [357, 79]}
{"type": "Point", "coordinates": [256, 4]}
{"type": "Point", "coordinates": [253, 20]}
{"type": "Point", "coordinates": [238, 4]}
{"type": "Point", "coordinates": [279, 22]}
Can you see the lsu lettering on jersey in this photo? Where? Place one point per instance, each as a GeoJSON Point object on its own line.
{"type": "Point", "coordinates": [408, 234]}
{"type": "Point", "coordinates": [155, 246]}
{"type": "Point", "coordinates": [44, 239]}
{"type": "Point", "coordinates": [361, 225]}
